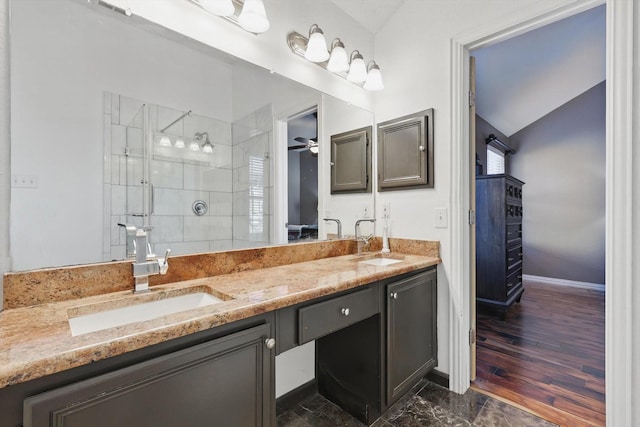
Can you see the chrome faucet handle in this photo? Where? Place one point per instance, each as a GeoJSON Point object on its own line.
{"type": "Point", "coordinates": [163, 263]}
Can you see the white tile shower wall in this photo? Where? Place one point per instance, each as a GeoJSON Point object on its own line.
{"type": "Point", "coordinates": [181, 177]}
{"type": "Point", "coordinates": [233, 180]}
{"type": "Point", "coordinates": [123, 172]}
{"type": "Point", "coordinates": [252, 136]}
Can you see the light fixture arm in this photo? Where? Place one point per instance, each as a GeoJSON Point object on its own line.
{"type": "Point", "coordinates": [233, 18]}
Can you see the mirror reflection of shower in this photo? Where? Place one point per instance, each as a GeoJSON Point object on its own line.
{"type": "Point", "coordinates": [228, 172]}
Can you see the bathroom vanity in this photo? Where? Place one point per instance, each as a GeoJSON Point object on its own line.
{"type": "Point", "coordinates": [374, 325]}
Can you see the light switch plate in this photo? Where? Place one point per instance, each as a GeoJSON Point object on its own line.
{"type": "Point", "coordinates": [442, 218]}
{"type": "Point", "coordinates": [24, 181]}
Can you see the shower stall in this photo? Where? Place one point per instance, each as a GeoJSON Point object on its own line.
{"type": "Point", "coordinates": [199, 184]}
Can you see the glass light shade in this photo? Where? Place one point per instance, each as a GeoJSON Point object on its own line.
{"type": "Point", "coordinates": [316, 47]}
{"type": "Point", "coordinates": [218, 7]}
{"type": "Point", "coordinates": [165, 141]}
{"type": "Point", "coordinates": [207, 148]}
{"type": "Point", "coordinates": [374, 79]}
{"type": "Point", "coordinates": [338, 62]}
{"type": "Point", "coordinates": [194, 146]}
{"type": "Point", "coordinates": [253, 17]}
{"type": "Point", "coordinates": [179, 143]}
{"type": "Point", "coordinates": [357, 70]}
{"type": "Point", "coordinates": [314, 149]}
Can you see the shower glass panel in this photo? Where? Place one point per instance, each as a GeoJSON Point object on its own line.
{"type": "Point", "coordinates": [202, 184]}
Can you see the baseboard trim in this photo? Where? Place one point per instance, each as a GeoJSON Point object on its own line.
{"type": "Point", "coordinates": [290, 399]}
{"type": "Point", "coordinates": [439, 378]}
{"type": "Point", "coordinates": [563, 282]}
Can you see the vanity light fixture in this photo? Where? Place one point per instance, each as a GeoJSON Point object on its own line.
{"type": "Point", "coordinates": [374, 77]}
{"type": "Point", "coordinates": [250, 15]}
{"type": "Point", "coordinates": [165, 141]}
{"type": "Point", "coordinates": [353, 69]}
{"type": "Point", "coordinates": [179, 143]}
{"type": "Point", "coordinates": [338, 61]}
{"type": "Point", "coordinates": [218, 7]}
{"type": "Point", "coordinates": [253, 17]}
{"type": "Point", "coordinates": [317, 45]}
{"type": "Point", "coordinates": [357, 69]}
{"type": "Point", "coordinates": [194, 146]}
{"type": "Point", "coordinates": [207, 146]}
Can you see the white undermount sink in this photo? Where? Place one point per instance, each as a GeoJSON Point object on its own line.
{"type": "Point", "coordinates": [139, 312]}
{"type": "Point", "coordinates": [380, 261]}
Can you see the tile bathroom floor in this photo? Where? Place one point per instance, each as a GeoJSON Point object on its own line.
{"type": "Point", "coordinates": [428, 404]}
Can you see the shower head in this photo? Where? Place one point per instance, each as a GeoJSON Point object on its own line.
{"type": "Point", "coordinates": [207, 146]}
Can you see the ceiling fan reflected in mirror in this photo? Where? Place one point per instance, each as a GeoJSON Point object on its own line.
{"type": "Point", "coordinates": [307, 144]}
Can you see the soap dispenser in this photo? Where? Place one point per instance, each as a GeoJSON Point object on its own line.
{"type": "Point", "coordinates": [385, 236]}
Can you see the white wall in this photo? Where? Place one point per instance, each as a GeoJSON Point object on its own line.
{"type": "Point", "coordinates": [561, 158]}
{"type": "Point", "coordinates": [413, 51]}
{"type": "Point", "coordinates": [62, 59]}
{"type": "Point", "coordinates": [5, 144]}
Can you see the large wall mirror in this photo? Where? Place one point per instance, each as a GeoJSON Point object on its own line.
{"type": "Point", "coordinates": [115, 120]}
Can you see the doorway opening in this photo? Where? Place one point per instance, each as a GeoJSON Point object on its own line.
{"type": "Point", "coordinates": [302, 176]}
{"type": "Point", "coordinates": [542, 349]}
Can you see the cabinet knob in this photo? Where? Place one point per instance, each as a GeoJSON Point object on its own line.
{"type": "Point", "coordinates": [421, 148]}
{"type": "Point", "coordinates": [394, 295]}
{"type": "Point", "coordinates": [345, 311]}
{"type": "Point", "coordinates": [270, 343]}
{"type": "Point", "coordinates": [331, 164]}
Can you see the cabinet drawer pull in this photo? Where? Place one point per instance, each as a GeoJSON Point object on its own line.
{"type": "Point", "coordinates": [510, 259]}
{"type": "Point", "coordinates": [270, 343]}
{"type": "Point", "coordinates": [394, 295]}
{"type": "Point", "coordinates": [345, 311]}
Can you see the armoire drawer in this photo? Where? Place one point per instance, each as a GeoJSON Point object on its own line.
{"type": "Point", "coordinates": [514, 235]}
{"type": "Point", "coordinates": [514, 259]}
{"type": "Point", "coordinates": [514, 281]}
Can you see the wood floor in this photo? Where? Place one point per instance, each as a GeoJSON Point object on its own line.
{"type": "Point", "coordinates": [547, 356]}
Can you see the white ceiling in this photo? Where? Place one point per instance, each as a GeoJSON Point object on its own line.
{"type": "Point", "coordinates": [524, 78]}
{"type": "Point", "coordinates": [371, 14]}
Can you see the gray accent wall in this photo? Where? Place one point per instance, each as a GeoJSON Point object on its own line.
{"type": "Point", "coordinates": [561, 158]}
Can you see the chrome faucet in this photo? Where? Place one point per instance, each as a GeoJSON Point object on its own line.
{"type": "Point", "coordinates": [361, 240]}
{"type": "Point", "coordinates": [146, 263]}
{"type": "Point", "coordinates": [339, 225]}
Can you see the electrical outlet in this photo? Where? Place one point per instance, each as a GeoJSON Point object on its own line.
{"type": "Point", "coordinates": [386, 210]}
{"type": "Point", "coordinates": [24, 181]}
{"type": "Point", "coordinates": [366, 211]}
{"type": "Point", "coordinates": [442, 218]}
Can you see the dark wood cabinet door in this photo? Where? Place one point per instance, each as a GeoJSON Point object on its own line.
{"type": "Point", "coordinates": [405, 152]}
{"type": "Point", "coordinates": [225, 382]}
{"type": "Point", "coordinates": [411, 332]}
{"type": "Point", "coordinates": [351, 161]}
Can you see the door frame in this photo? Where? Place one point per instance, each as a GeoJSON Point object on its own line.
{"type": "Point", "coordinates": [619, 244]}
{"type": "Point", "coordinates": [280, 168]}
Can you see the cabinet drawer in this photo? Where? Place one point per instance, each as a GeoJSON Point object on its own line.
{"type": "Point", "coordinates": [514, 281]}
{"type": "Point", "coordinates": [323, 318]}
{"type": "Point", "coordinates": [514, 259]}
{"type": "Point", "coordinates": [514, 235]}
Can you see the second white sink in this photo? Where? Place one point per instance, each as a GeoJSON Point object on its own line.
{"type": "Point", "coordinates": [381, 261]}
{"type": "Point", "coordinates": [139, 312]}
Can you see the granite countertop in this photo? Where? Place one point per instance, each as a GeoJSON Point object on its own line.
{"type": "Point", "coordinates": [37, 341]}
